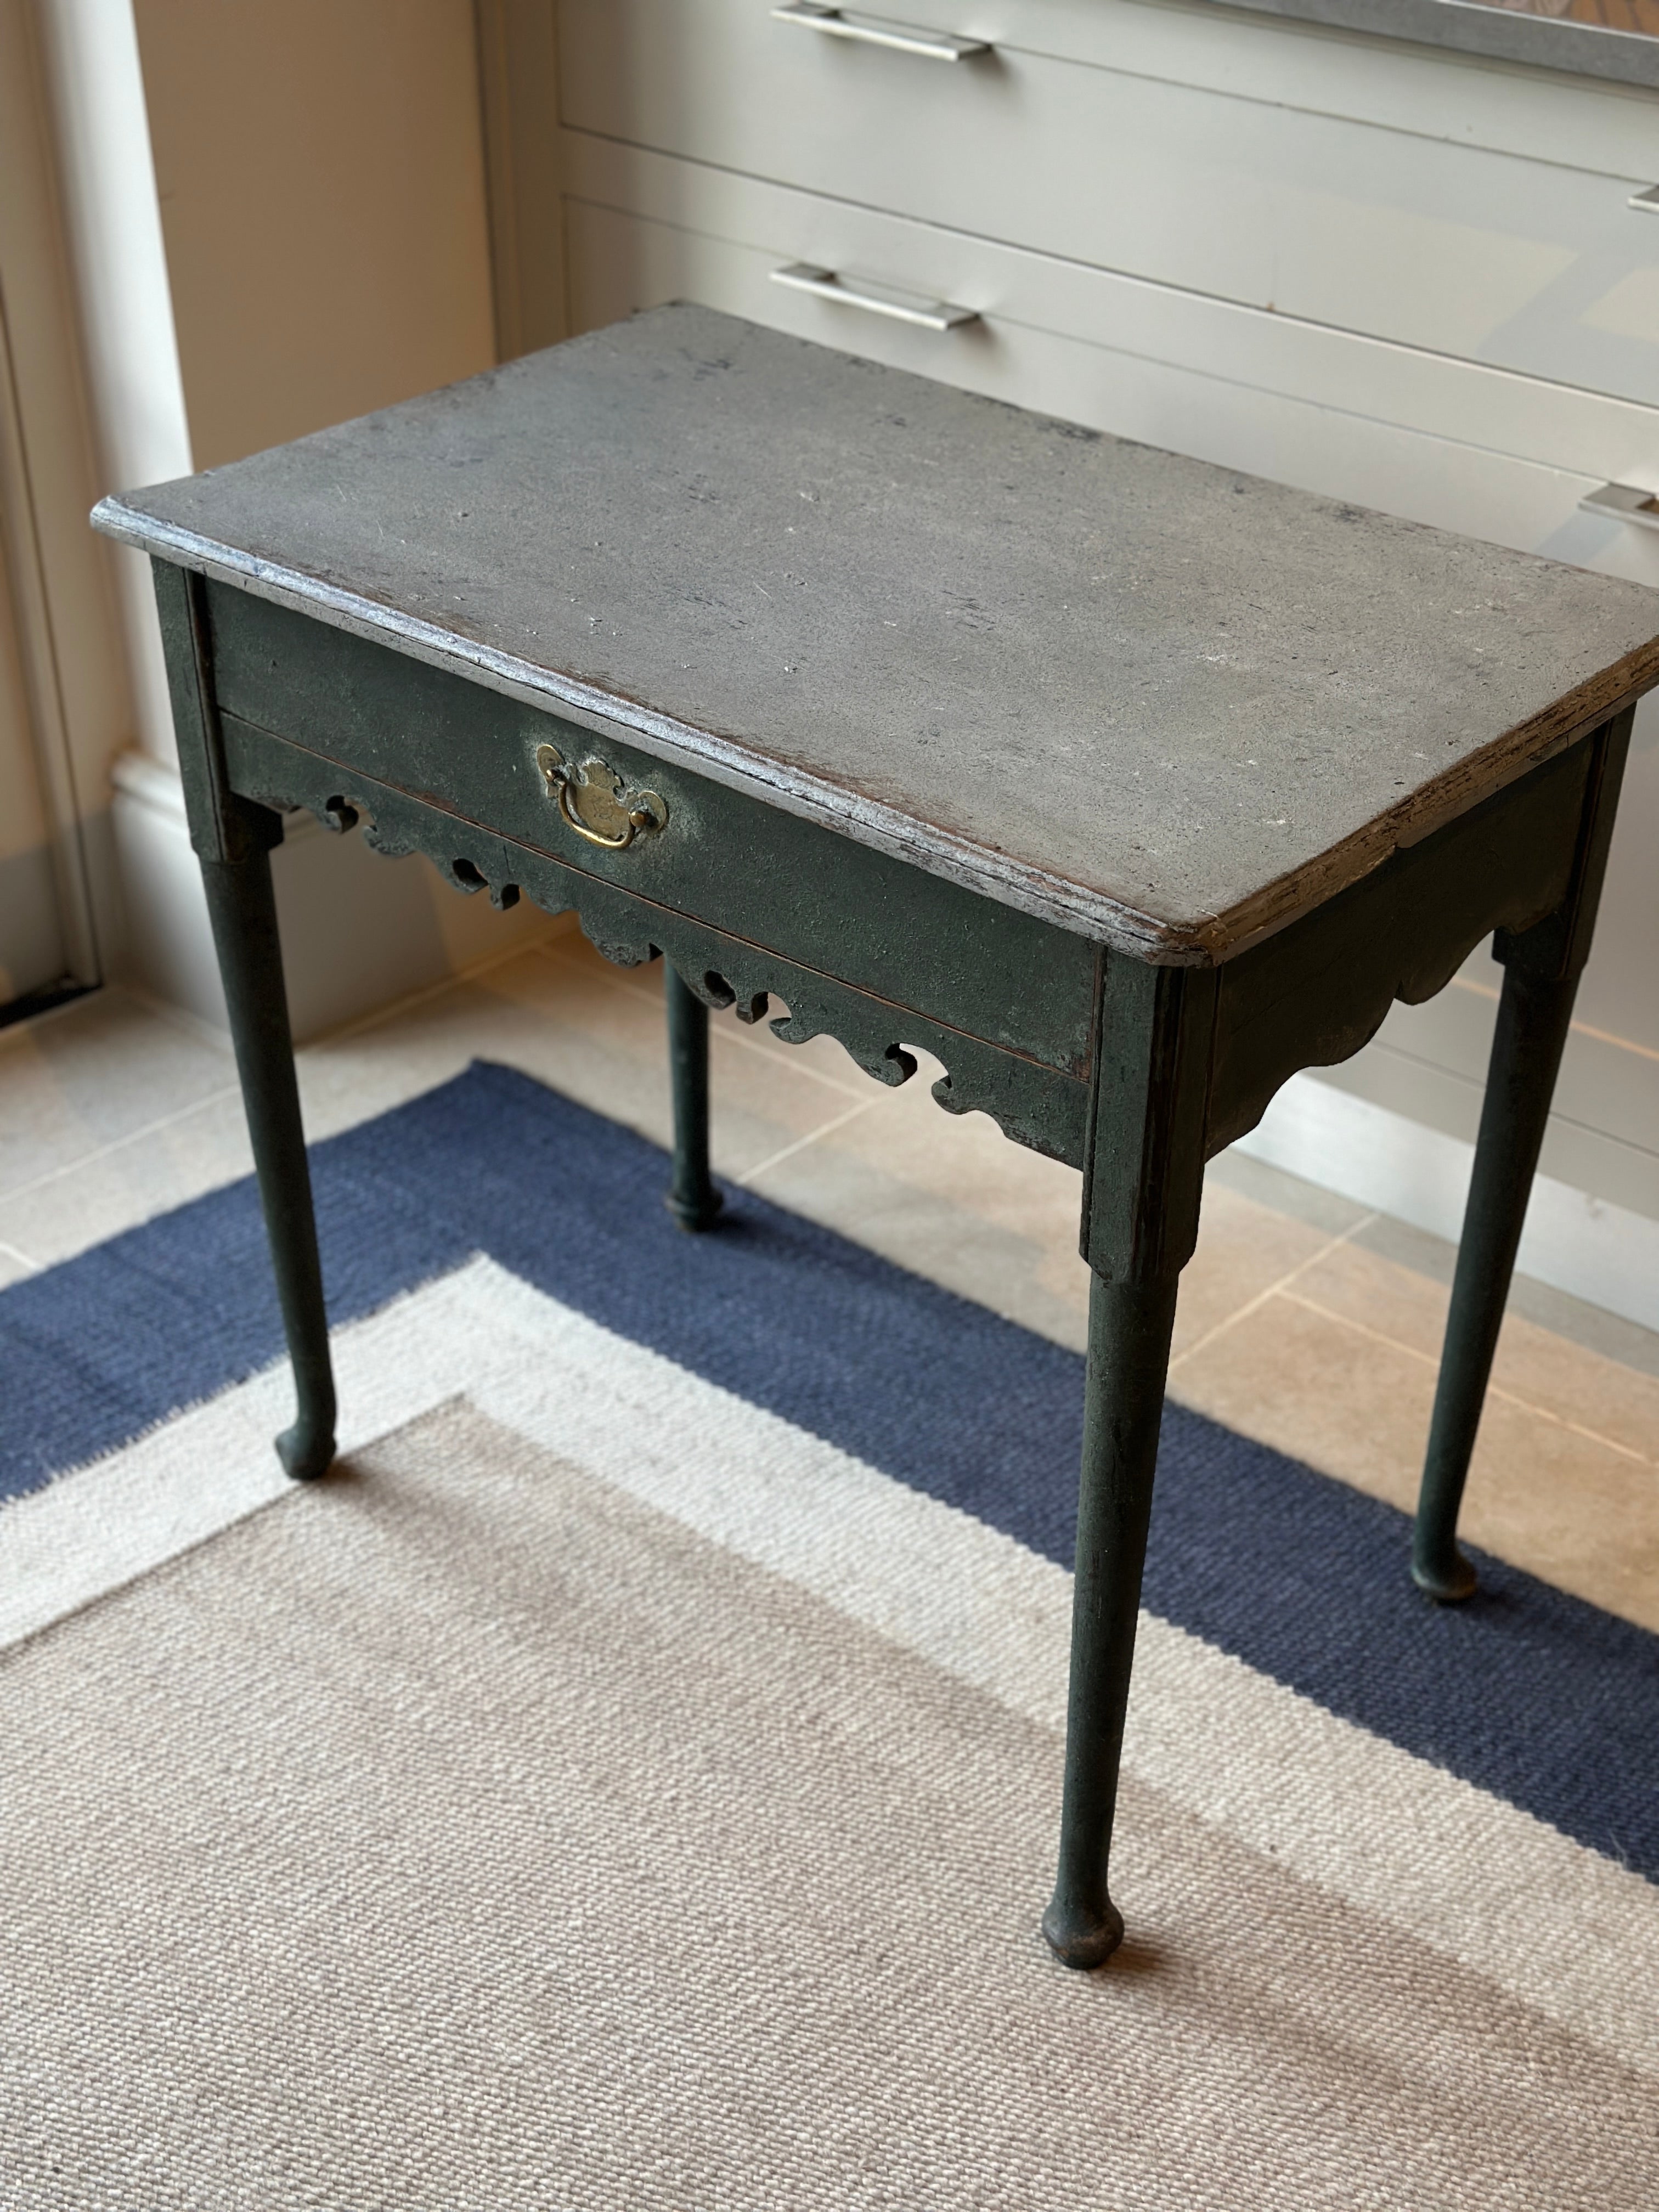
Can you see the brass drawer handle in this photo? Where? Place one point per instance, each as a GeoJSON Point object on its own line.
{"type": "Point", "coordinates": [594, 801]}
{"type": "Point", "coordinates": [877, 31]}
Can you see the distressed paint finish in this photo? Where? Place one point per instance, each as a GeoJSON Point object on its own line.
{"type": "Point", "coordinates": [1043, 1107]}
{"type": "Point", "coordinates": [692, 1198]}
{"type": "Point", "coordinates": [1313, 993]}
{"type": "Point", "coordinates": [1542, 964]}
{"type": "Point", "coordinates": [725, 856]}
{"type": "Point", "coordinates": [234, 836]}
{"type": "Point", "coordinates": [1162, 704]}
{"type": "Point", "coordinates": [1025, 835]}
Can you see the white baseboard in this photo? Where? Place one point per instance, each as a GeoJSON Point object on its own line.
{"type": "Point", "coordinates": [167, 946]}
{"type": "Point", "coordinates": [358, 931]}
{"type": "Point", "coordinates": [1597, 1251]}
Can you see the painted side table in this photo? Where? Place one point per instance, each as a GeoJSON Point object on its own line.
{"type": "Point", "coordinates": [1126, 785]}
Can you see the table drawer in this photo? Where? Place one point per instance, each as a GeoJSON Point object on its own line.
{"type": "Point", "coordinates": [363, 713]}
{"type": "Point", "coordinates": [1528, 264]}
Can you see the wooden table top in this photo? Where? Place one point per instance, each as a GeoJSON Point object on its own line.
{"type": "Point", "coordinates": [1158, 701]}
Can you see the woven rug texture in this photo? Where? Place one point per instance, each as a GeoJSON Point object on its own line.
{"type": "Point", "coordinates": [630, 1780]}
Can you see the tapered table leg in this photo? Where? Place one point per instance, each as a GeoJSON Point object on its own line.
{"type": "Point", "coordinates": [1533, 1018]}
{"type": "Point", "coordinates": [1129, 1329]}
{"type": "Point", "coordinates": [692, 1198]}
{"type": "Point", "coordinates": [243, 912]}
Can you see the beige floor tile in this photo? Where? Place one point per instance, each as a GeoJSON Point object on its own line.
{"type": "Point", "coordinates": [1580, 1515]}
{"type": "Point", "coordinates": [92, 1073]}
{"type": "Point", "coordinates": [1343, 1400]}
{"type": "Point", "coordinates": [193, 1144]}
{"type": "Point", "coordinates": [1243, 1251]}
{"type": "Point", "coordinates": [13, 1267]}
{"type": "Point", "coordinates": [158, 1168]}
{"type": "Point", "coordinates": [566, 1016]}
{"type": "Point", "coordinates": [765, 1097]}
{"type": "Point", "coordinates": [1533, 1365]}
{"type": "Point", "coordinates": [561, 1014]}
{"type": "Point", "coordinates": [517, 1011]}
{"type": "Point", "coordinates": [1312, 1386]}
{"type": "Point", "coordinates": [749, 1069]}
{"type": "Point", "coordinates": [1617, 1403]}
{"type": "Point", "coordinates": [948, 1196]}
{"type": "Point", "coordinates": [1360, 1286]}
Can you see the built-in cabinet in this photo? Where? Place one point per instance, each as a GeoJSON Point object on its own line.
{"type": "Point", "coordinates": [1391, 274]}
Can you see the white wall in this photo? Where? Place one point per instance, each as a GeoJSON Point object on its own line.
{"type": "Point", "coordinates": [70, 705]}
{"type": "Point", "coordinates": [279, 220]}
{"type": "Point", "coordinates": [126, 320]}
{"type": "Point", "coordinates": [321, 176]}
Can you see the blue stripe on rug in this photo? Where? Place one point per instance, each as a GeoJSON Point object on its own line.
{"type": "Point", "coordinates": [1525, 1692]}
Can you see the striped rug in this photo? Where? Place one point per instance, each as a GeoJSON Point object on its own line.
{"type": "Point", "coordinates": [631, 1779]}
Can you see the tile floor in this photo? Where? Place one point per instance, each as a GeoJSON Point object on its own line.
{"type": "Point", "coordinates": [1304, 1321]}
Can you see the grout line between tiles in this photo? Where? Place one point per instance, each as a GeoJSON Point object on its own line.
{"type": "Point", "coordinates": [1494, 1390]}
{"type": "Point", "coordinates": [837, 1122]}
{"type": "Point", "coordinates": [104, 1151]}
{"type": "Point", "coordinates": [1254, 1305]}
{"type": "Point", "coordinates": [14, 1252]}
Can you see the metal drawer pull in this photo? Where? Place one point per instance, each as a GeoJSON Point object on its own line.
{"type": "Point", "coordinates": [875, 31]}
{"type": "Point", "coordinates": [1628, 502]}
{"type": "Point", "coordinates": [875, 299]}
{"type": "Point", "coordinates": [595, 803]}
{"type": "Point", "coordinates": [1647, 201]}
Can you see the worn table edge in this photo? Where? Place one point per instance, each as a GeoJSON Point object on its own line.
{"type": "Point", "coordinates": [1080, 908]}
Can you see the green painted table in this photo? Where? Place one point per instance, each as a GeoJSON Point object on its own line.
{"type": "Point", "coordinates": [1126, 785]}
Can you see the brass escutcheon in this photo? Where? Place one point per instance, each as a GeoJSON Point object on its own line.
{"type": "Point", "coordinates": [595, 804]}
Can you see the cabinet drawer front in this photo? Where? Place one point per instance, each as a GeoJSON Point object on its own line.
{"type": "Point", "coordinates": [722, 858]}
{"type": "Point", "coordinates": [1439, 441]}
{"type": "Point", "coordinates": [1526, 264]}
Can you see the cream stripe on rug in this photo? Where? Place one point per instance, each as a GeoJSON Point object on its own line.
{"type": "Point", "coordinates": [465, 1832]}
{"type": "Point", "coordinates": [1559, 1926]}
